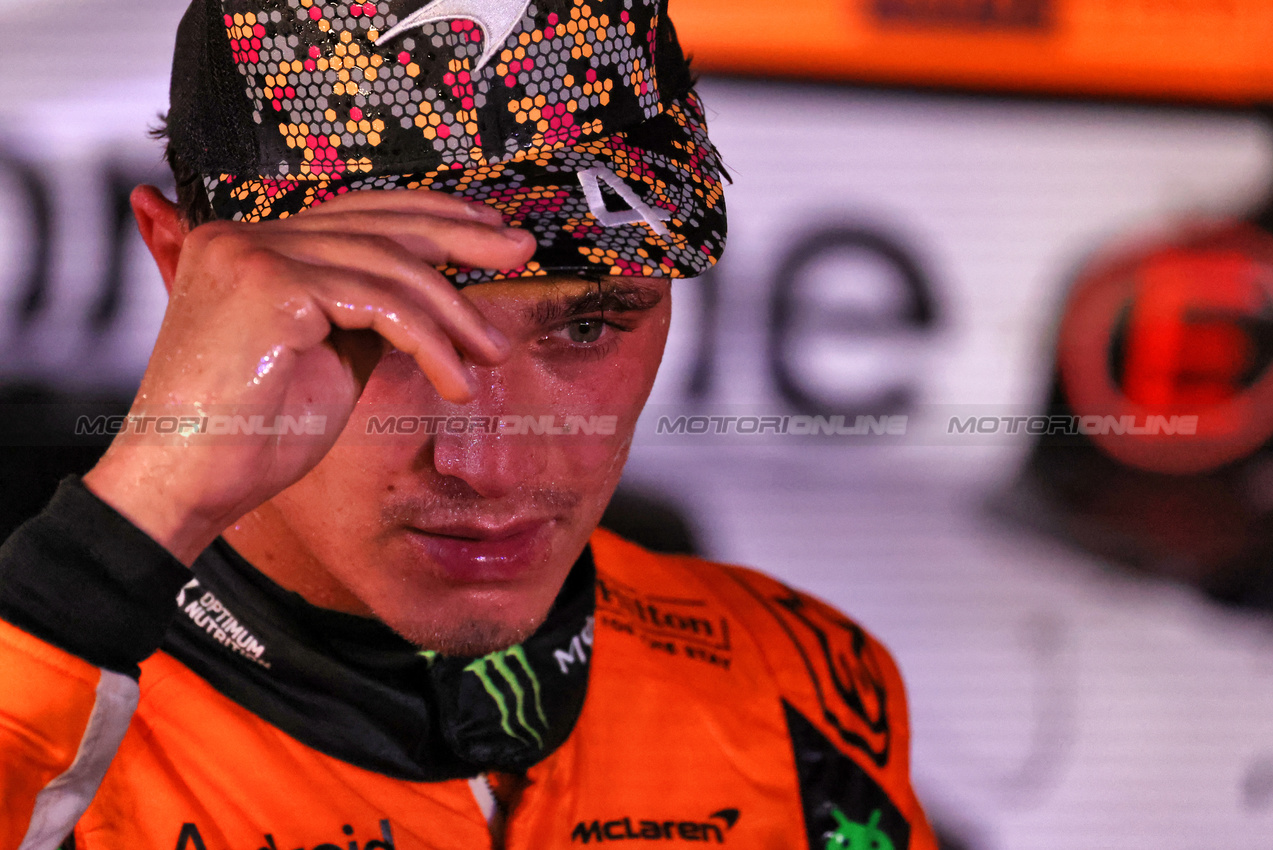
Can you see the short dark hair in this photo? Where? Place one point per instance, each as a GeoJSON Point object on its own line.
{"type": "Point", "coordinates": [192, 199]}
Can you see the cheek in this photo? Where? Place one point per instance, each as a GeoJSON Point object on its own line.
{"type": "Point", "coordinates": [617, 383]}
{"type": "Point", "coordinates": [365, 450]}
{"type": "Point", "coordinates": [396, 380]}
{"type": "Point", "coordinates": [612, 393]}
{"type": "Point", "coordinates": [345, 488]}
{"type": "Point", "coordinates": [338, 499]}
{"type": "Point", "coordinates": [632, 377]}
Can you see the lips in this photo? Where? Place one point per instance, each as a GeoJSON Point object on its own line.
{"type": "Point", "coordinates": [475, 554]}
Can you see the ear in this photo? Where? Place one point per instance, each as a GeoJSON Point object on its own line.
{"type": "Point", "coordinates": [162, 229]}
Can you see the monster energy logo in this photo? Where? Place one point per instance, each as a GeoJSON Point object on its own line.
{"type": "Point", "coordinates": [856, 836]}
{"type": "Point", "coordinates": [501, 663]}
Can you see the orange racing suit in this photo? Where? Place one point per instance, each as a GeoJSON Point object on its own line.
{"type": "Point", "coordinates": [666, 699]}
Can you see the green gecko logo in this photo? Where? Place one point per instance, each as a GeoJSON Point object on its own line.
{"type": "Point", "coordinates": [499, 662]}
{"type": "Point", "coordinates": [855, 836]}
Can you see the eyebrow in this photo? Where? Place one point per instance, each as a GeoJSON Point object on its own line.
{"type": "Point", "coordinates": [601, 298]}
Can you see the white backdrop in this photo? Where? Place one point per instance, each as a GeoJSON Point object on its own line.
{"type": "Point", "coordinates": [1057, 703]}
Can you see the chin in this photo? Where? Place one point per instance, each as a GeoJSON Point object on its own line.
{"type": "Point", "coordinates": [492, 621]}
{"type": "Point", "coordinates": [429, 607]}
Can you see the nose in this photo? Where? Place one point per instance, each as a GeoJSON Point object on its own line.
{"type": "Point", "coordinates": [492, 465]}
{"type": "Point", "coordinates": [488, 461]}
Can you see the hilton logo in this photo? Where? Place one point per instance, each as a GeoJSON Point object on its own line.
{"type": "Point", "coordinates": [997, 14]}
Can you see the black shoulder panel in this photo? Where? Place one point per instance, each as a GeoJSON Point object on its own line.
{"type": "Point", "coordinates": [843, 806]}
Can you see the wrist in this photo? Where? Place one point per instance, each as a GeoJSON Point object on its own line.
{"type": "Point", "coordinates": [142, 490]}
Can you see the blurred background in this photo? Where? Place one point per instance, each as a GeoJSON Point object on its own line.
{"type": "Point", "coordinates": [1022, 247]}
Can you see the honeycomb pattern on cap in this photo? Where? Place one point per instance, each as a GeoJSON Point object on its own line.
{"type": "Point", "coordinates": [339, 102]}
{"type": "Point", "coordinates": [347, 96]}
{"type": "Point", "coordinates": [541, 191]}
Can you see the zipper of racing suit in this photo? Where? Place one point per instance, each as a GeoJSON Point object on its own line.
{"type": "Point", "coordinates": [494, 813]}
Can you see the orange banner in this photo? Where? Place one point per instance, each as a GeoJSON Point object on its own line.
{"type": "Point", "coordinates": [1194, 50]}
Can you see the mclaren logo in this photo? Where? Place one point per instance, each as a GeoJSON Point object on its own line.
{"type": "Point", "coordinates": [512, 684]}
{"type": "Point", "coordinates": [495, 18]}
{"type": "Point", "coordinates": [713, 830]}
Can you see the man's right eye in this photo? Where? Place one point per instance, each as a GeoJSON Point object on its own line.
{"type": "Point", "coordinates": [585, 331]}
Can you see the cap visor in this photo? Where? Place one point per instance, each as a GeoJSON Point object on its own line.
{"type": "Point", "coordinates": [670, 221]}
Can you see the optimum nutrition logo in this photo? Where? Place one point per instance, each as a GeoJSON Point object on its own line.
{"type": "Point", "coordinates": [713, 830]}
{"type": "Point", "coordinates": [512, 685]}
{"type": "Point", "coordinates": [210, 615]}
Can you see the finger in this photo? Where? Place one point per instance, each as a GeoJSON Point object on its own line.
{"type": "Point", "coordinates": [432, 351]}
{"type": "Point", "coordinates": [378, 268]}
{"type": "Point", "coordinates": [436, 239]}
{"type": "Point", "coordinates": [401, 280]}
{"type": "Point", "coordinates": [285, 267]}
{"type": "Point", "coordinates": [354, 301]}
{"type": "Point", "coordinates": [413, 201]}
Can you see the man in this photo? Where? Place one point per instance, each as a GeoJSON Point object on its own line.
{"type": "Point", "coordinates": [385, 460]}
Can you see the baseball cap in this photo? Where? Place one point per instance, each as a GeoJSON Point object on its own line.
{"type": "Point", "coordinates": [577, 119]}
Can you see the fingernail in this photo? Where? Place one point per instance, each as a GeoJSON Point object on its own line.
{"type": "Point", "coordinates": [498, 340]}
{"type": "Point", "coordinates": [521, 237]}
{"type": "Point", "coordinates": [486, 214]}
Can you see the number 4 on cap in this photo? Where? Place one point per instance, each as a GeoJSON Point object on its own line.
{"type": "Point", "coordinates": [640, 210]}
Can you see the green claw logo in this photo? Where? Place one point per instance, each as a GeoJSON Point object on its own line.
{"type": "Point", "coordinates": [855, 836]}
{"type": "Point", "coordinates": [499, 662]}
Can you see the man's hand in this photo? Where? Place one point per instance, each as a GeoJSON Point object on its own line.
{"type": "Point", "coordinates": [287, 318]}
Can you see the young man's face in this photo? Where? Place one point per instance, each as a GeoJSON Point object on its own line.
{"type": "Point", "coordinates": [460, 541]}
